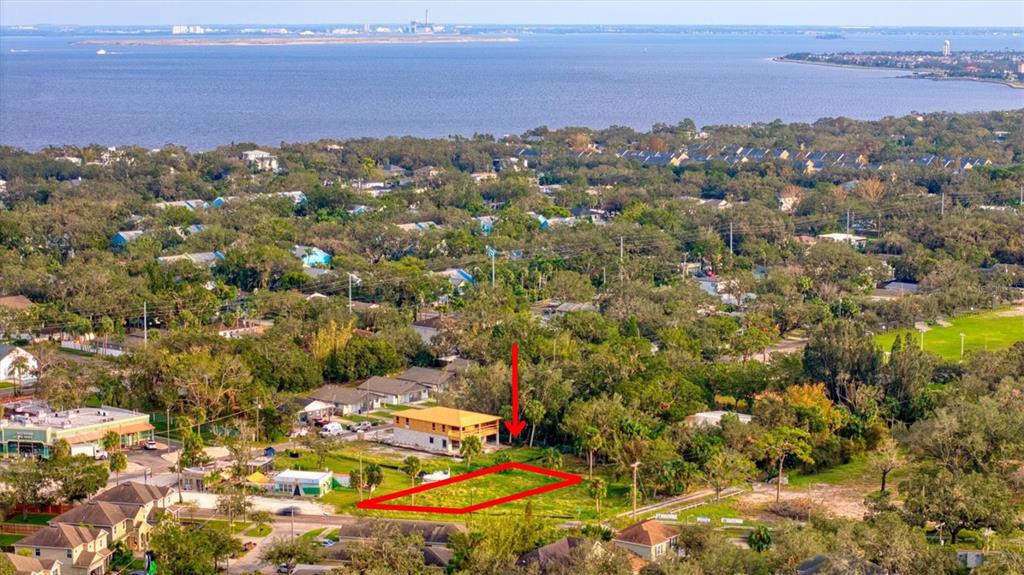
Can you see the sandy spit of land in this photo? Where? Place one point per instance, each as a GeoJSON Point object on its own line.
{"type": "Point", "coordinates": [919, 74]}
{"type": "Point", "coordinates": [299, 41]}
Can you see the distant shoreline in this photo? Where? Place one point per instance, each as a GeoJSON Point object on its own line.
{"type": "Point", "coordinates": [299, 41]}
{"type": "Point", "coordinates": [918, 75]}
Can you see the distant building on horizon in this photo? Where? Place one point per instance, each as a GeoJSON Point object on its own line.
{"type": "Point", "coordinates": [945, 48]}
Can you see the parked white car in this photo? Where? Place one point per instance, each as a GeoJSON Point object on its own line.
{"type": "Point", "coordinates": [332, 429]}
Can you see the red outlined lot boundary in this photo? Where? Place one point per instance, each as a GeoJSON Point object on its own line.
{"type": "Point", "coordinates": [567, 480]}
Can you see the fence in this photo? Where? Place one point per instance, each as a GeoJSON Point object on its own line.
{"type": "Point", "coordinates": [19, 528]}
{"type": "Point", "coordinates": [94, 347]}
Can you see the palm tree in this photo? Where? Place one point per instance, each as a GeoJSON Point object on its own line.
{"type": "Point", "coordinates": [597, 488]}
{"type": "Point", "coordinates": [552, 458]}
{"type": "Point", "coordinates": [61, 450]}
{"type": "Point", "coordinates": [111, 441]}
{"type": "Point", "coordinates": [470, 448]}
{"type": "Point", "coordinates": [592, 443]}
{"type": "Point", "coordinates": [118, 462]}
{"type": "Point", "coordinates": [411, 466]}
{"type": "Point", "coordinates": [533, 411]}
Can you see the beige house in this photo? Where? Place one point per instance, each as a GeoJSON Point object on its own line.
{"type": "Point", "coordinates": [32, 566]}
{"type": "Point", "coordinates": [81, 550]}
{"type": "Point", "coordinates": [651, 539]}
{"type": "Point", "coordinates": [139, 503]}
{"type": "Point", "coordinates": [99, 515]}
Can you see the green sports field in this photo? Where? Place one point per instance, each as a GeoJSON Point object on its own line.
{"type": "Point", "coordinates": [991, 330]}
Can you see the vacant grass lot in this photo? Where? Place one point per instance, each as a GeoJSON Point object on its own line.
{"type": "Point", "coordinates": [568, 503]}
{"type": "Point", "coordinates": [991, 330]}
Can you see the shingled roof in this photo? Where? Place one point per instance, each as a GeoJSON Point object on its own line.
{"type": "Point", "coordinates": [26, 565]}
{"type": "Point", "coordinates": [649, 533]}
{"type": "Point", "coordinates": [551, 555]}
{"type": "Point", "coordinates": [93, 513]}
{"type": "Point", "coordinates": [61, 536]}
{"type": "Point", "coordinates": [133, 493]}
{"type": "Point", "coordinates": [425, 376]}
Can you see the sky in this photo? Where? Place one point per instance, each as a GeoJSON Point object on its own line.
{"type": "Point", "coordinates": [529, 12]}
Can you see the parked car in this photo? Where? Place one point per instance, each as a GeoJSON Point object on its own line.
{"type": "Point", "coordinates": [332, 429]}
{"type": "Point", "coordinates": [101, 454]}
{"type": "Point", "coordinates": [327, 542]}
{"type": "Point", "coordinates": [150, 445]}
{"type": "Point", "coordinates": [360, 426]}
{"type": "Point", "coordinates": [284, 568]}
{"type": "Point", "coordinates": [320, 421]}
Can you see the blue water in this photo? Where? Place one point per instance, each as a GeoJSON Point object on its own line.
{"type": "Point", "coordinates": [54, 91]}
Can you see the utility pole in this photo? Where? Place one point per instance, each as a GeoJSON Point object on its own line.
{"type": "Point", "coordinates": [636, 464]}
{"type": "Point", "coordinates": [622, 253]}
{"type": "Point", "coordinates": [492, 267]}
{"type": "Point", "coordinates": [730, 238]}
{"type": "Point", "coordinates": [145, 324]}
{"type": "Point", "coordinates": [847, 222]}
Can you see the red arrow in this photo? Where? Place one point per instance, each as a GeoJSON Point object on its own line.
{"type": "Point", "coordinates": [515, 427]}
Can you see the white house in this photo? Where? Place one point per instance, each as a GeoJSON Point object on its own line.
{"type": "Point", "coordinates": [649, 539]}
{"type": "Point", "coordinates": [855, 241]}
{"type": "Point", "coordinates": [714, 418]}
{"type": "Point", "coordinates": [261, 160]}
{"type": "Point", "coordinates": [11, 365]}
{"type": "Point", "coordinates": [298, 483]}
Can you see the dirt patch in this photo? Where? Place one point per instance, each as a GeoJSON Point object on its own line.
{"type": "Point", "coordinates": [838, 500]}
{"type": "Point", "coordinates": [1017, 311]}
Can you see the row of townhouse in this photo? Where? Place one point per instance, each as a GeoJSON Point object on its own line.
{"type": "Point", "coordinates": [410, 386]}
{"type": "Point", "coordinates": [79, 541]}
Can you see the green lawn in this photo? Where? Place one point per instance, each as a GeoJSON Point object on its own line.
{"type": "Point", "coordinates": [568, 503]}
{"type": "Point", "coordinates": [259, 531]}
{"type": "Point", "coordinates": [31, 519]}
{"type": "Point", "coordinates": [855, 471]}
{"type": "Point", "coordinates": [714, 511]}
{"type": "Point", "coordinates": [358, 418]}
{"type": "Point", "coordinates": [990, 330]}
{"type": "Point", "coordinates": [396, 407]}
{"type": "Point", "coordinates": [8, 539]}
{"type": "Point", "coordinates": [311, 535]}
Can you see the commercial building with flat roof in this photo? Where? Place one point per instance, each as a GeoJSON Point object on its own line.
{"type": "Point", "coordinates": [442, 429]}
{"type": "Point", "coordinates": [31, 427]}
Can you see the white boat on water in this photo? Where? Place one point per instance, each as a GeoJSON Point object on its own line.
{"type": "Point", "coordinates": [101, 52]}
